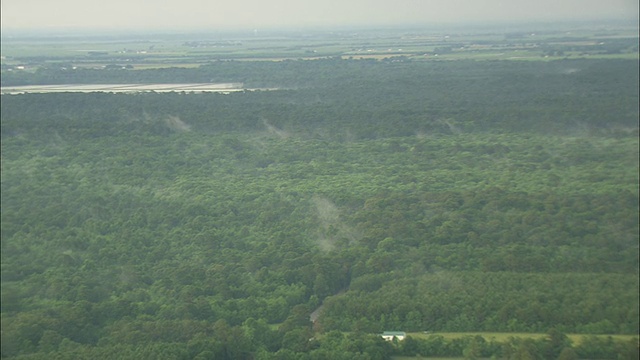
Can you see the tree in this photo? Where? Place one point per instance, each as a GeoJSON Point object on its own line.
{"type": "Point", "coordinates": [568, 354]}
{"type": "Point", "coordinates": [297, 340]}
{"type": "Point", "coordinates": [409, 346]}
{"type": "Point", "coordinates": [526, 350]}
{"type": "Point", "coordinates": [555, 342]}
{"type": "Point", "coordinates": [298, 318]}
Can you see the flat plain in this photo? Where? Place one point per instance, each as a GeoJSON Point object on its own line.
{"type": "Point", "coordinates": [147, 51]}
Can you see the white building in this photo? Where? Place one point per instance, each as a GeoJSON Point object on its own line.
{"type": "Point", "coordinates": [389, 335]}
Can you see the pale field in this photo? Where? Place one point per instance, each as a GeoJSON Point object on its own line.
{"type": "Point", "coordinates": [118, 88]}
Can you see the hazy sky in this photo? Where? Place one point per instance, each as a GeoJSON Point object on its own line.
{"type": "Point", "coordinates": [186, 14]}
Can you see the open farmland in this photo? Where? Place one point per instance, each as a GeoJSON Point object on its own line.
{"type": "Point", "coordinates": [148, 51]}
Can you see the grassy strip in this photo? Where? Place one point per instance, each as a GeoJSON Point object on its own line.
{"type": "Point", "coordinates": [502, 337]}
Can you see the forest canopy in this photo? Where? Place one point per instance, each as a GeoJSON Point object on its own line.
{"type": "Point", "coordinates": [456, 196]}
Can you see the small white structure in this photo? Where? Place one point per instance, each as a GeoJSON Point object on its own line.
{"type": "Point", "coordinates": [389, 335]}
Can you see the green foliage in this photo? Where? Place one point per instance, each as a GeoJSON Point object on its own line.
{"type": "Point", "coordinates": [489, 302]}
{"type": "Point", "coordinates": [417, 196]}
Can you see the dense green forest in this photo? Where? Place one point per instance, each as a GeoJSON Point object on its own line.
{"type": "Point", "coordinates": [418, 196]}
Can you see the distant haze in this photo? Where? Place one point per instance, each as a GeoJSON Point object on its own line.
{"type": "Point", "coordinates": [256, 14]}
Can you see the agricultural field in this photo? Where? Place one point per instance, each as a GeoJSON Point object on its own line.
{"type": "Point", "coordinates": [147, 51]}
